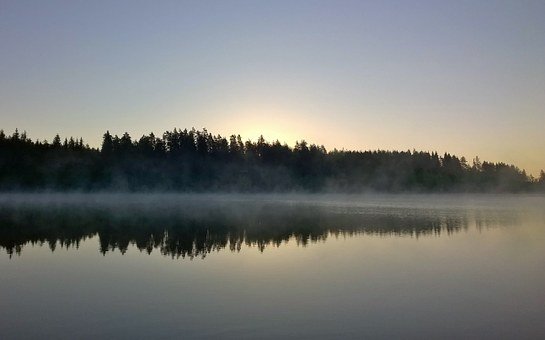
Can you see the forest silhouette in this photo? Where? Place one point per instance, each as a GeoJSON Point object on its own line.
{"type": "Point", "coordinates": [198, 161]}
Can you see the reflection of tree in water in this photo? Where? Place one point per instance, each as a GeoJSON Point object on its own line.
{"type": "Point", "coordinates": [194, 230]}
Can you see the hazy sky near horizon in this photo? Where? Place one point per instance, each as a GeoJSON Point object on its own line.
{"type": "Point", "coordinates": [467, 77]}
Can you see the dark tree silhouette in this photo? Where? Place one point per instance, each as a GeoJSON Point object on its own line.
{"type": "Point", "coordinates": [196, 160]}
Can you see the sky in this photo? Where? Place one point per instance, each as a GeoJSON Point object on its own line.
{"type": "Point", "coordinates": [465, 77]}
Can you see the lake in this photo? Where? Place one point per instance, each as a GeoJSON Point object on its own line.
{"type": "Point", "coordinates": [270, 266]}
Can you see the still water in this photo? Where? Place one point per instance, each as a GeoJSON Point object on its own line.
{"type": "Point", "coordinates": [251, 266]}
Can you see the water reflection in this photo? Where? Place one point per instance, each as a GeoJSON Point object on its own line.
{"type": "Point", "coordinates": [192, 229]}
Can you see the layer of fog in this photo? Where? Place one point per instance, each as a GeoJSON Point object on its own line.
{"type": "Point", "coordinates": [378, 200]}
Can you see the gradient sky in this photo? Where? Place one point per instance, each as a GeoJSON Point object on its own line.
{"type": "Point", "coordinates": [467, 77]}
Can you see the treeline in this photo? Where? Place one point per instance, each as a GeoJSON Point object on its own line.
{"type": "Point", "coordinates": [193, 160]}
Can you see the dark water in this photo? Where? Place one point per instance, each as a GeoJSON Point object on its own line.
{"type": "Point", "coordinates": [220, 266]}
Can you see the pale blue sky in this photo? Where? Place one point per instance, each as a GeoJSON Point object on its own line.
{"type": "Point", "coordinates": [466, 77]}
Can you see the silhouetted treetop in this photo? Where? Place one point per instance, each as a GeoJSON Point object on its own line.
{"type": "Point", "coordinates": [196, 160]}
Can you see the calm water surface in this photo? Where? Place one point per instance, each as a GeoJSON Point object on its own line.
{"type": "Point", "coordinates": [222, 266]}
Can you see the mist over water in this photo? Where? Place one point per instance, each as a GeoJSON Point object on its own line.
{"type": "Point", "coordinates": [268, 266]}
{"type": "Point", "coordinates": [194, 225]}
